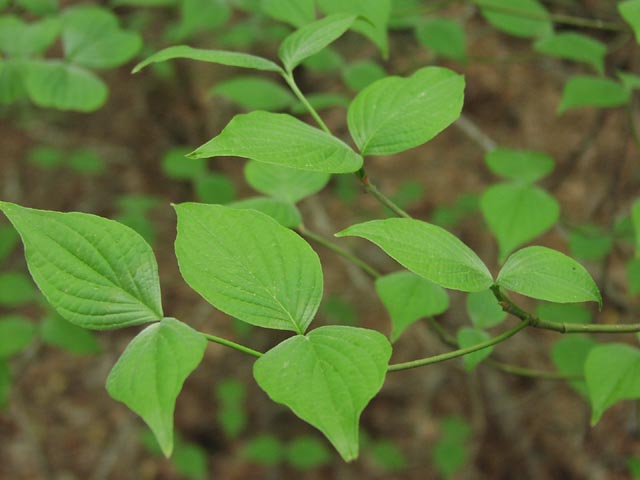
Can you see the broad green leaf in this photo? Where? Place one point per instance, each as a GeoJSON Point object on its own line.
{"type": "Point", "coordinates": [294, 12]}
{"type": "Point", "coordinates": [359, 75]}
{"type": "Point", "coordinates": [327, 378]}
{"type": "Point", "coordinates": [569, 355]}
{"type": "Point", "coordinates": [255, 93]}
{"type": "Point", "coordinates": [546, 274]}
{"type": "Point", "coordinates": [630, 11]}
{"type": "Point", "coordinates": [632, 269]}
{"type": "Point", "coordinates": [8, 241]}
{"type": "Point", "coordinates": [635, 220]}
{"type": "Point", "coordinates": [284, 183]}
{"type": "Point", "coordinates": [176, 165]}
{"type": "Point", "coordinates": [468, 337]}
{"type": "Point", "coordinates": [427, 250]}
{"type": "Point", "coordinates": [200, 15]}
{"type": "Point", "coordinates": [281, 139]}
{"type": "Point", "coordinates": [575, 47]}
{"type": "Point", "coordinates": [247, 265]}
{"type": "Point", "coordinates": [215, 188]}
{"type": "Point", "coordinates": [563, 313]}
{"type": "Point", "coordinates": [395, 114]}
{"type": "Point", "coordinates": [264, 449]}
{"type": "Point", "coordinates": [13, 73]}
{"type": "Point", "coordinates": [405, 14]}
{"type": "Point", "coordinates": [630, 81]}
{"type": "Point", "coordinates": [517, 213]}
{"type": "Point", "coordinates": [150, 373]}
{"type": "Point", "coordinates": [408, 298]}
{"type": "Point", "coordinates": [590, 243]}
{"type": "Point", "coordinates": [86, 162]}
{"type": "Point", "coordinates": [612, 372]}
{"type": "Point", "coordinates": [222, 57]}
{"type": "Point", "coordinates": [373, 21]}
{"type": "Point", "coordinates": [326, 60]}
{"type": "Point", "coordinates": [312, 38]}
{"type": "Point", "coordinates": [92, 38]}
{"type": "Point", "coordinates": [285, 213]}
{"type": "Point", "coordinates": [585, 91]}
{"type": "Point", "coordinates": [445, 37]}
{"type": "Point", "coordinates": [307, 452]}
{"type": "Point", "coordinates": [39, 7]}
{"type": "Point", "coordinates": [95, 272]}
{"type": "Point", "coordinates": [19, 39]}
{"type": "Point", "coordinates": [56, 331]}
{"type": "Point", "coordinates": [16, 289]}
{"type": "Point", "coordinates": [47, 157]}
{"type": "Point", "coordinates": [484, 310]}
{"type": "Point", "coordinates": [521, 18]}
{"type": "Point", "coordinates": [56, 84]}
{"type": "Point", "coordinates": [521, 165]}
{"type": "Point", "coordinates": [16, 333]}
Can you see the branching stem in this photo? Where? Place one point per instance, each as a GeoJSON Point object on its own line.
{"type": "Point", "coordinates": [230, 344]}
{"type": "Point", "coordinates": [461, 351]}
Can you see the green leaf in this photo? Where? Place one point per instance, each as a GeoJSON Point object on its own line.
{"type": "Point", "coordinates": [517, 213]}
{"type": "Point", "coordinates": [5, 383]}
{"type": "Point", "coordinates": [95, 272]}
{"type": "Point", "coordinates": [590, 243]}
{"type": "Point", "coordinates": [255, 93]}
{"type": "Point", "coordinates": [408, 298]}
{"type": "Point", "coordinates": [46, 157]}
{"type": "Point", "coordinates": [632, 269]}
{"type": "Point", "coordinates": [395, 114]}
{"type": "Point", "coordinates": [39, 7]}
{"type": "Point", "coordinates": [630, 81]}
{"type": "Point", "coordinates": [630, 11]}
{"type": "Point", "coordinates": [294, 12]}
{"type": "Point", "coordinates": [16, 333]}
{"type": "Point", "coordinates": [287, 184]}
{"type": "Point", "coordinates": [427, 250]}
{"type": "Point", "coordinates": [359, 75]}
{"type": "Point", "coordinates": [484, 310]}
{"type": "Point", "coordinates": [56, 331]}
{"type": "Point", "coordinates": [215, 188]}
{"type": "Point", "coordinates": [12, 80]}
{"type": "Point", "coordinates": [563, 313]}
{"type": "Point", "coordinates": [19, 39]}
{"type": "Point", "coordinates": [222, 57]}
{"type": "Point", "coordinates": [521, 165]}
{"type": "Point", "coordinates": [307, 452]}
{"type": "Point", "coordinates": [150, 373]}
{"type": "Point", "coordinates": [373, 21]}
{"type": "Point", "coordinates": [247, 265]}
{"type": "Point", "coordinates": [176, 165]}
{"type": "Point", "coordinates": [92, 38]}
{"type": "Point", "coordinates": [388, 456]}
{"type": "Point", "coordinates": [56, 84]}
{"type": "Point", "coordinates": [612, 372]}
{"type": "Point", "coordinates": [445, 37]}
{"type": "Point", "coordinates": [264, 450]}
{"type": "Point", "coordinates": [87, 162]}
{"type": "Point", "coordinates": [312, 38]}
{"type": "Point", "coordinates": [233, 420]}
{"type": "Point", "coordinates": [585, 91]}
{"type": "Point", "coordinates": [468, 337]}
{"type": "Point", "coordinates": [281, 139]}
{"type": "Point", "coordinates": [8, 241]}
{"type": "Point", "coordinates": [521, 18]}
{"type": "Point", "coordinates": [635, 220]}
{"type": "Point", "coordinates": [327, 378]}
{"type": "Point", "coordinates": [16, 289]}
{"type": "Point", "coordinates": [285, 213]}
{"type": "Point", "coordinates": [569, 355]}
{"type": "Point", "coordinates": [190, 460]}
{"type": "Point", "coordinates": [200, 15]}
{"type": "Point", "coordinates": [575, 47]}
{"type": "Point", "coordinates": [546, 274]}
